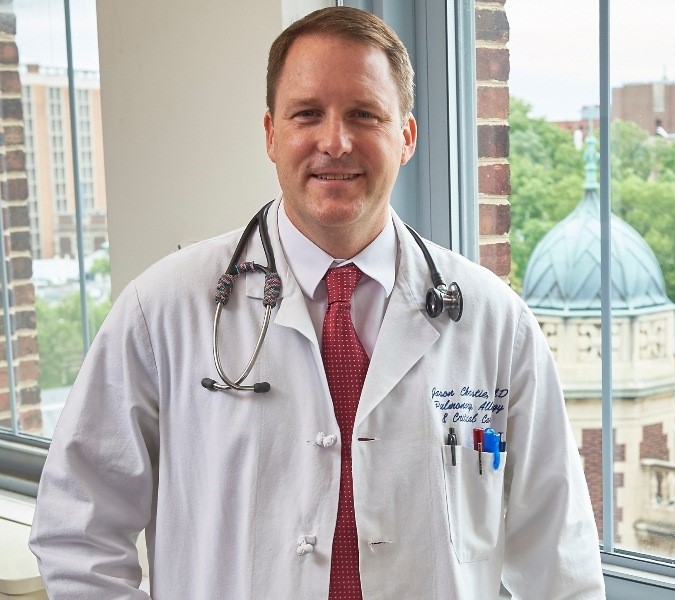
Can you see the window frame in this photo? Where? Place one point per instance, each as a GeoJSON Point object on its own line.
{"type": "Point", "coordinates": [21, 455]}
{"type": "Point", "coordinates": [617, 563]}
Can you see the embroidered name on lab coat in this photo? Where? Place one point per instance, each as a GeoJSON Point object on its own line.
{"type": "Point", "coordinates": [462, 406]}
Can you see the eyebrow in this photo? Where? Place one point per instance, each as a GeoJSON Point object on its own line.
{"type": "Point", "coordinates": [370, 105]}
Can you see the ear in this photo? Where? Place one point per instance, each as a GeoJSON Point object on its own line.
{"type": "Point", "coordinates": [269, 136]}
{"type": "Point", "coordinates": [409, 139]}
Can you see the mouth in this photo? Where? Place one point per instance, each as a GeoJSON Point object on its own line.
{"type": "Point", "coordinates": [335, 176]}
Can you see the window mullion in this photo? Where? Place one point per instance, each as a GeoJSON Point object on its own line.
{"type": "Point", "coordinates": [606, 285]}
{"type": "Point", "coordinates": [465, 209]}
{"type": "Point", "coordinates": [76, 180]}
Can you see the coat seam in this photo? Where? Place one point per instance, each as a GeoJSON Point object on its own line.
{"type": "Point", "coordinates": [147, 329]}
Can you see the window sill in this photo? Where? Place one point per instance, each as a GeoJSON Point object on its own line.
{"type": "Point", "coordinates": [19, 575]}
{"type": "Point", "coordinates": [21, 464]}
{"type": "Point", "coordinates": [626, 580]}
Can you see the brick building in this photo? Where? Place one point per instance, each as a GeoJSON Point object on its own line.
{"type": "Point", "coordinates": [18, 303]}
{"type": "Point", "coordinates": [49, 161]}
{"type": "Point", "coordinates": [646, 104]}
{"type": "Point", "coordinates": [494, 187]}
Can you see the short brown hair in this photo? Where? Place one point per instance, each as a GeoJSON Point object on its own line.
{"type": "Point", "coordinates": [353, 24]}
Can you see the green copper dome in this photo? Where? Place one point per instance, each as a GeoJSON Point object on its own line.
{"type": "Point", "coordinates": [563, 273]}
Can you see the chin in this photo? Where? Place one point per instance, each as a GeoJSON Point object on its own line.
{"type": "Point", "coordinates": [336, 211]}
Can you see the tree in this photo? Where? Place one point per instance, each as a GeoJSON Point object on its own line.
{"type": "Point", "coordinates": [631, 151]}
{"type": "Point", "coordinates": [100, 266]}
{"type": "Point", "coordinates": [59, 331]}
{"type": "Point", "coordinates": [649, 206]}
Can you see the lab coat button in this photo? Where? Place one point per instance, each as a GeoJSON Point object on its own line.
{"type": "Point", "coordinates": [326, 440]}
{"type": "Point", "coordinates": [305, 544]}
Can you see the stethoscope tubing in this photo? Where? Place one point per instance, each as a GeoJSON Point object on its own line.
{"type": "Point", "coordinates": [270, 269]}
{"type": "Point", "coordinates": [236, 384]}
{"type": "Point", "coordinates": [440, 298]}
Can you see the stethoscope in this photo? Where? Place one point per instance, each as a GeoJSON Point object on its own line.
{"type": "Point", "coordinates": [440, 298]}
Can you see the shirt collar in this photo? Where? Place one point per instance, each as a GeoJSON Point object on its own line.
{"type": "Point", "coordinates": [309, 263]}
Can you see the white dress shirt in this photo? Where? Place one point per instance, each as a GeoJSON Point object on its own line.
{"type": "Point", "coordinates": [309, 264]}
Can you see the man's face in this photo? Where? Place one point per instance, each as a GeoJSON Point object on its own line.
{"type": "Point", "coordinates": [337, 139]}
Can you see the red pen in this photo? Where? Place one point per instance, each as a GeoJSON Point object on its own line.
{"type": "Point", "coordinates": [477, 438]}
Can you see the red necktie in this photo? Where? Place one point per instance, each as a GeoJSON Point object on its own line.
{"type": "Point", "coordinates": [346, 364]}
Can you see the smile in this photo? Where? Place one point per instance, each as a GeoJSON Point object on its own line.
{"type": "Point", "coordinates": [336, 176]}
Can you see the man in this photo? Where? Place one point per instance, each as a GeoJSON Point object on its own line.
{"type": "Point", "coordinates": [341, 481]}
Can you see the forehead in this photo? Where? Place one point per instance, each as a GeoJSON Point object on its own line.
{"type": "Point", "coordinates": [329, 64]}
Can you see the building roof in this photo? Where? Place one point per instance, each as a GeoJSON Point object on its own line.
{"type": "Point", "coordinates": [563, 273]}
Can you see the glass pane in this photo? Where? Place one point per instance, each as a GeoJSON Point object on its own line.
{"type": "Point", "coordinates": [555, 216]}
{"type": "Point", "coordinates": [643, 272]}
{"type": "Point", "coordinates": [39, 211]}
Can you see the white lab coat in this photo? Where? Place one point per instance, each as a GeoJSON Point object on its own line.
{"type": "Point", "coordinates": [233, 488]}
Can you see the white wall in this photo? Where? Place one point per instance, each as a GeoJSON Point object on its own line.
{"type": "Point", "coordinates": [292, 10]}
{"type": "Point", "coordinates": [183, 98]}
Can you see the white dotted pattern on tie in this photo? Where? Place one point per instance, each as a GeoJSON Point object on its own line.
{"type": "Point", "coordinates": [346, 364]}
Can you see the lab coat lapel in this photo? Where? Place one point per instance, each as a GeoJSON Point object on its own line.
{"type": "Point", "coordinates": [292, 310]}
{"type": "Point", "coordinates": [406, 333]}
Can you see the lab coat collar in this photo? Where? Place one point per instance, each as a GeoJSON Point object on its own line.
{"type": "Point", "coordinates": [406, 333]}
{"type": "Point", "coordinates": [310, 263]}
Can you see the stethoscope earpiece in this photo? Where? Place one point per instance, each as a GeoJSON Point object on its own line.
{"type": "Point", "coordinates": [209, 384]}
{"type": "Point", "coordinates": [441, 299]}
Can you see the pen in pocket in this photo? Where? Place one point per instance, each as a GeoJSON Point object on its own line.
{"type": "Point", "coordinates": [452, 442]}
{"type": "Point", "coordinates": [478, 442]}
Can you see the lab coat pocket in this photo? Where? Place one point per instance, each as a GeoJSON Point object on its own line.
{"type": "Point", "coordinates": [474, 502]}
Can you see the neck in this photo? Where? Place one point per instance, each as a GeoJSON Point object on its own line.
{"type": "Point", "coordinates": [342, 247]}
{"type": "Point", "coordinates": [341, 240]}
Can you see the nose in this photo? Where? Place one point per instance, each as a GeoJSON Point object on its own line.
{"type": "Point", "coordinates": [334, 138]}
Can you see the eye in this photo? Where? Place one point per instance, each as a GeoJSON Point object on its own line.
{"type": "Point", "coordinates": [306, 114]}
{"type": "Point", "coordinates": [364, 114]}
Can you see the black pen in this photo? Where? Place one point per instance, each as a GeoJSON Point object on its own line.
{"type": "Point", "coordinates": [452, 440]}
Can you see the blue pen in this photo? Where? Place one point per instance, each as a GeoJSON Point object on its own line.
{"type": "Point", "coordinates": [491, 444]}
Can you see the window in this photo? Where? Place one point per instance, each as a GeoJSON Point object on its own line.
{"type": "Point", "coordinates": [56, 287]}
{"type": "Point", "coordinates": [601, 283]}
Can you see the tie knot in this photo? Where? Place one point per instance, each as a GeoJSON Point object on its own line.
{"type": "Point", "coordinates": [341, 282]}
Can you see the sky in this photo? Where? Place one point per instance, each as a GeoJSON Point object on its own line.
{"type": "Point", "coordinates": [554, 50]}
{"type": "Point", "coordinates": [40, 33]}
{"type": "Point", "coordinates": [553, 46]}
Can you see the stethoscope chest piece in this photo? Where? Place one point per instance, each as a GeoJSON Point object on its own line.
{"type": "Point", "coordinates": [441, 299]}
